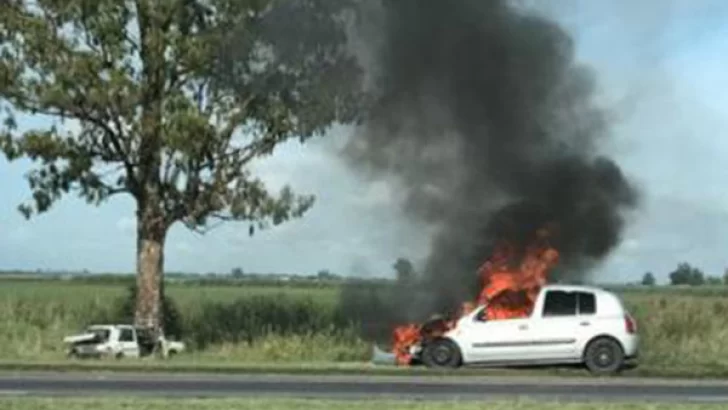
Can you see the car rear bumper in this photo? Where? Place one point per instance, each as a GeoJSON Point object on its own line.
{"type": "Point", "coordinates": [631, 346]}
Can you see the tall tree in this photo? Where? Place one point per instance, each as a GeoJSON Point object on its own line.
{"type": "Point", "coordinates": [648, 279]}
{"type": "Point", "coordinates": [405, 271]}
{"type": "Point", "coordinates": [685, 274]}
{"type": "Point", "coordinates": [173, 100]}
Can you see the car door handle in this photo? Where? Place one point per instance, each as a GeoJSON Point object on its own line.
{"type": "Point", "coordinates": [585, 323]}
{"type": "Point", "coordinates": [523, 327]}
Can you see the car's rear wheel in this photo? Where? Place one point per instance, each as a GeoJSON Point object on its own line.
{"type": "Point", "coordinates": [604, 356]}
{"type": "Point", "coordinates": [441, 353]}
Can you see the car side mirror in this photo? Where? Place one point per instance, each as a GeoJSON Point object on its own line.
{"type": "Point", "coordinates": [480, 316]}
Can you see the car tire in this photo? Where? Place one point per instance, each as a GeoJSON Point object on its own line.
{"type": "Point", "coordinates": [604, 356]}
{"type": "Point", "coordinates": [441, 353]}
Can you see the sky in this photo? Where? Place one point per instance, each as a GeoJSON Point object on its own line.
{"type": "Point", "coordinates": [661, 69]}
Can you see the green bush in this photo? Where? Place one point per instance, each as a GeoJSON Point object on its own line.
{"type": "Point", "coordinates": [122, 311]}
{"type": "Point", "coordinates": [246, 320]}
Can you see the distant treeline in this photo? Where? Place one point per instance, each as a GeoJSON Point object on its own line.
{"type": "Point", "coordinates": [313, 281]}
{"type": "Point", "coordinates": [684, 275]}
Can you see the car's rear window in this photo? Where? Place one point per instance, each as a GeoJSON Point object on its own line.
{"type": "Point", "coordinates": [559, 303]}
{"type": "Point", "coordinates": [587, 303]}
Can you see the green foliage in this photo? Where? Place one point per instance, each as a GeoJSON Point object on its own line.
{"type": "Point", "coordinates": [648, 279]}
{"type": "Point", "coordinates": [246, 320]}
{"type": "Point", "coordinates": [682, 331]}
{"type": "Point", "coordinates": [37, 315]}
{"type": "Point", "coordinates": [326, 275]}
{"type": "Point", "coordinates": [172, 100]}
{"type": "Point", "coordinates": [249, 319]}
{"type": "Point", "coordinates": [685, 274]}
{"type": "Point", "coordinates": [713, 281]}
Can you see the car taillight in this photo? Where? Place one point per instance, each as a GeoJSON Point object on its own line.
{"type": "Point", "coordinates": [630, 324]}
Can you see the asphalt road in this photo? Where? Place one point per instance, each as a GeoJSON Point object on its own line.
{"type": "Point", "coordinates": [363, 387]}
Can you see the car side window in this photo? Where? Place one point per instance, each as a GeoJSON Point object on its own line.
{"type": "Point", "coordinates": [559, 303]}
{"type": "Point", "coordinates": [587, 303]}
{"type": "Point", "coordinates": [126, 335]}
{"type": "Point", "coordinates": [481, 315]}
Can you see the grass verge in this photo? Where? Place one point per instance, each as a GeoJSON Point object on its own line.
{"type": "Point", "coordinates": [114, 403]}
{"type": "Point", "coordinates": [351, 368]}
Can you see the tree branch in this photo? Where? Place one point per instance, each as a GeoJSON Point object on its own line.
{"type": "Point", "coordinates": [114, 138]}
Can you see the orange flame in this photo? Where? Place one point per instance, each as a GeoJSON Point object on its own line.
{"type": "Point", "coordinates": [502, 286]}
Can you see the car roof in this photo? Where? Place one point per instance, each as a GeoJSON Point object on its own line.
{"type": "Point", "coordinates": [99, 327]}
{"type": "Point", "coordinates": [575, 288]}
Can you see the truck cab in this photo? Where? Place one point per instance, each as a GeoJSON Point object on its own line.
{"type": "Point", "coordinates": [567, 324]}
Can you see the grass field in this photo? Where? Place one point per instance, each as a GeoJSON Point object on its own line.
{"type": "Point", "coordinates": [220, 323]}
{"type": "Point", "coordinates": [684, 331]}
{"type": "Point", "coordinates": [114, 403]}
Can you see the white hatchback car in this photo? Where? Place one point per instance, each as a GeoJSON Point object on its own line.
{"type": "Point", "coordinates": [568, 324]}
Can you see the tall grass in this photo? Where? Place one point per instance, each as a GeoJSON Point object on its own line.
{"type": "Point", "coordinates": [682, 330]}
{"type": "Point", "coordinates": [257, 323]}
{"type": "Point", "coordinates": [289, 323]}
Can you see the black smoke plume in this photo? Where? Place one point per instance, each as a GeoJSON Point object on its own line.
{"type": "Point", "coordinates": [490, 127]}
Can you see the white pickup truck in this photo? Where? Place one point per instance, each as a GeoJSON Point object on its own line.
{"type": "Point", "coordinates": [568, 325]}
{"type": "Point", "coordinates": [118, 341]}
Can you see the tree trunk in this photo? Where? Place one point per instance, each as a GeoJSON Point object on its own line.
{"type": "Point", "coordinates": [151, 234]}
{"type": "Point", "coordinates": [151, 218]}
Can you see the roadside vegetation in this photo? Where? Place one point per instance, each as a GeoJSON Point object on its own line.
{"type": "Point", "coordinates": [219, 323]}
{"type": "Point", "coordinates": [684, 330]}
{"type": "Point", "coordinates": [113, 403]}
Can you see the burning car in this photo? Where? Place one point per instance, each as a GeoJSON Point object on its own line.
{"type": "Point", "coordinates": [518, 319]}
{"type": "Point", "coordinates": [569, 324]}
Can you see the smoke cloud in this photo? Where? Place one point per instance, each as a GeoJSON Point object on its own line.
{"type": "Point", "coordinates": [491, 129]}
